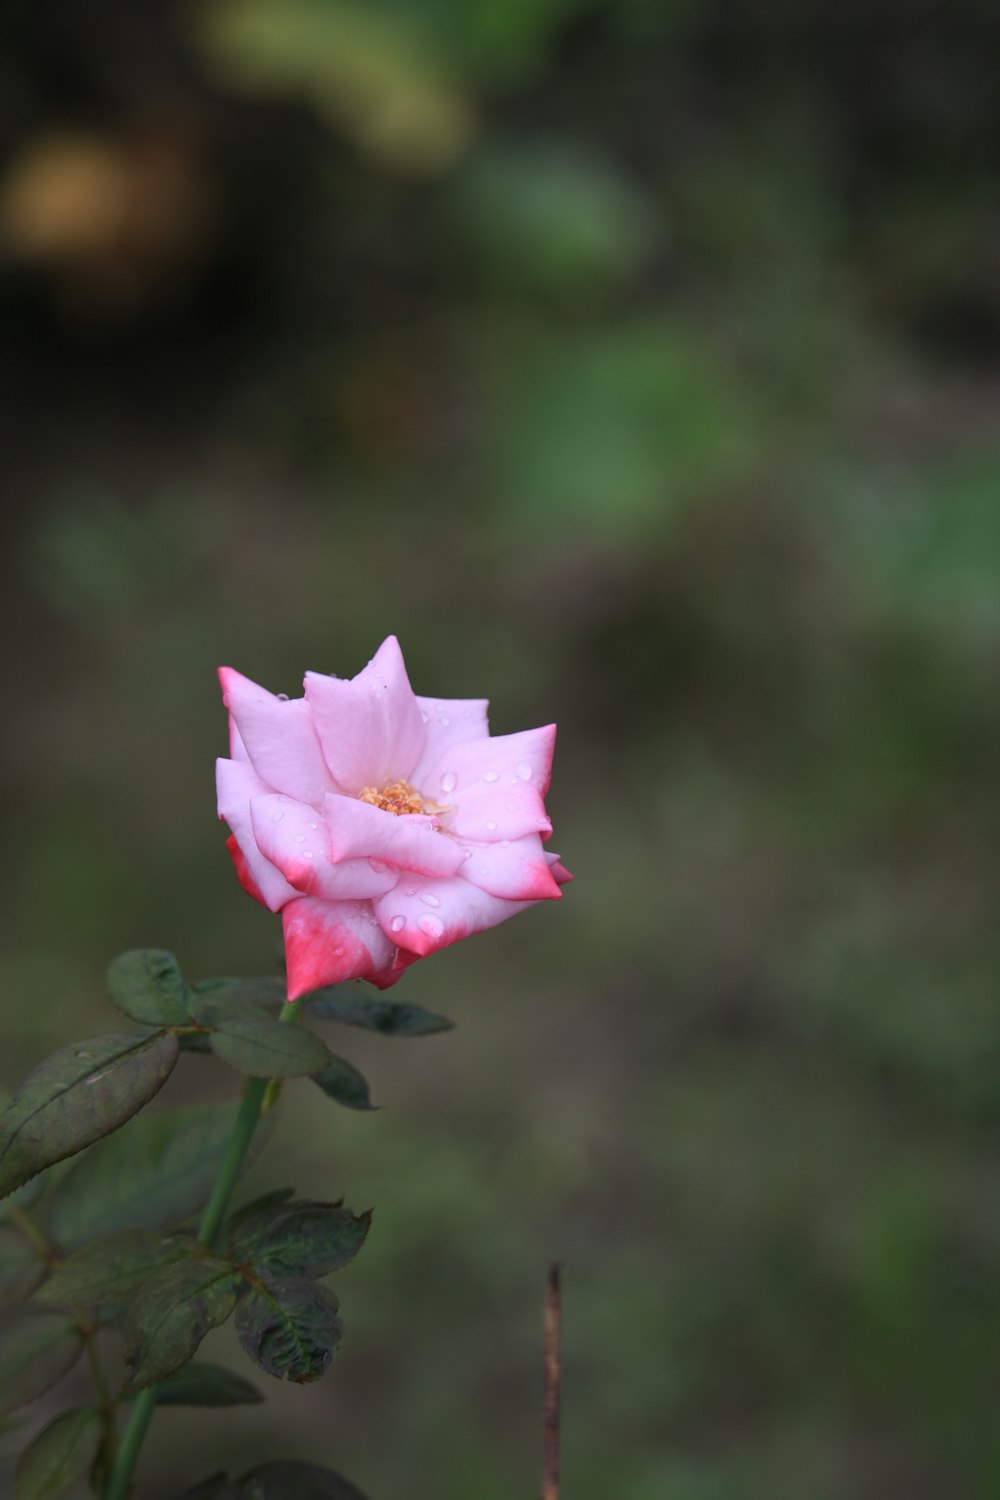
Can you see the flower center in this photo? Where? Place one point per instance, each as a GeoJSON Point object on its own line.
{"type": "Point", "coordinates": [399, 797]}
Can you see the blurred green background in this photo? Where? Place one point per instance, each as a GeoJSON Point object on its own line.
{"type": "Point", "coordinates": [638, 364]}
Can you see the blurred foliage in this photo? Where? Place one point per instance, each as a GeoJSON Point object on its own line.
{"type": "Point", "coordinates": [637, 364]}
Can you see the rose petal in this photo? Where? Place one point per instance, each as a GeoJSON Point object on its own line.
{"type": "Point", "coordinates": [237, 783]}
{"type": "Point", "coordinates": [558, 869]}
{"type": "Point", "coordinates": [425, 915]}
{"type": "Point", "coordinates": [370, 726]}
{"type": "Point", "coordinates": [327, 942]}
{"type": "Point", "coordinates": [515, 869]}
{"type": "Point", "coordinates": [449, 721]}
{"type": "Point", "coordinates": [411, 842]}
{"type": "Point", "coordinates": [495, 786]}
{"type": "Point", "coordinates": [294, 838]}
{"type": "Point", "coordinates": [243, 874]}
{"type": "Point", "coordinates": [279, 736]}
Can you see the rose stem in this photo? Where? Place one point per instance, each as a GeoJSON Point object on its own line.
{"type": "Point", "coordinates": [211, 1222]}
{"type": "Point", "coordinates": [550, 1406]}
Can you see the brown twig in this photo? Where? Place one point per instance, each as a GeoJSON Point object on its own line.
{"type": "Point", "coordinates": [550, 1407]}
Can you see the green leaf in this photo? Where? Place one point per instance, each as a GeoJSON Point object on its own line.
{"type": "Point", "coordinates": [300, 1239]}
{"type": "Point", "coordinates": [21, 1267]}
{"type": "Point", "coordinates": [114, 1266]}
{"type": "Point", "coordinates": [267, 1049]}
{"type": "Point", "coordinates": [231, 995]}
{"type": "Point", "coordinates": [340, 1080]}
{"type": "Point", "coordinates": [277, 1195]}
{"type": "Point", "coordinates": [201, 1384]}
{"type": "Point", "coordinates": [152, 1175]}
{"type": "Point", "coordinates": [290, 1328]}
{"type": "Point", "coordinates": [215, 1487]}
{"type": "Point", "coordinates": [171, 1314]}
{"type": "Point", "coordinates": [37, 1347]}
{"type": "Point", "coordinates": [61, 1454]}
{"type": "Point", "coordinates": [147, 984]}
{"type": "Point", "coordinates": [389, 1017]}
{"type": "Point", "coordinates": [77, 1095]}
{"type": "Point", "coordinates": [289, 1480]}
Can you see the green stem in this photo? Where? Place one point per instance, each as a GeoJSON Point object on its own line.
{"type": "Point", "coordinates": [211, 1222]}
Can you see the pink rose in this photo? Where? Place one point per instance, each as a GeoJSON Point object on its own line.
{"type": "Point", "coordinates": [381, 825]}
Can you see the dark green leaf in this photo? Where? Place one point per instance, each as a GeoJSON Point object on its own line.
{"type": "Point", "coordinates": [200, 1384]}
{"type": "Point", "coordinates": [341, 1080]}
{"type": "Point", "coordinates": [266, 1200]}
{"type": "Point", "coordinates": [300, 1239]}
{"type": "Point", "coordinates": [77, 1095]}
{"type": "Point", "coordinates": [215, 1487]}
{"type": "Point", "coordinates": [345, 1003]}
{"type": "Point", "coordinates": [290, 1328]}
{"type": "Point", "coordinates": [152, 1175]}
{"type": "Point", "coordinates": [37, 1347]}
{"type": "Point", "coordinates": [147, 984]}
{"type": "Point", "coordinates": [195, 1041]}
{"type": "Point", "coordinates": [21, 1267]}
{"type": "Point", "coordinates": [231, 996]}
{"type": "Point", "coordinates": [61, 1454]}
{"type": "Point", "coordinates": [114, 1266]}
{"type": "Point", "coordinates": [288, 1480]}
{"type": "Point", "coordinates": [267, 1049]}
{"type": "Point", "coordinates": [24, 1197]}
{"type": "Point", "coordinates": [171, 1314]}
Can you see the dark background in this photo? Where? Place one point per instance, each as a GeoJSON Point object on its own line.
{"type": "Point", "coordinates": [638, 365]}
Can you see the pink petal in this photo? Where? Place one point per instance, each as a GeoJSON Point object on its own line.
{"type": "Point", "coordinates": [425, 915]}
{"type": "Point", "coordinates": [327, 942]}
{"type": "Point", "coordinates": [515, 869]}
{"type": "Point", "coordinates": [279, 736]}
{"type": "Point", "coordinates": [243, 874]}
{"type": "Point", "coordinates": [370, 726]}
{"type": "Point", "coordinates": [294, 838]}
{"type": "Point", "coordinates": [237, 782]}
{"type": "Point", "coordinates": [558, 869]}
{"type": "Point", "coordinates": [495, 786]}
{"type": "Point", "coordinates": [448, 721]}
{"type": "Point", "coordinates": [359, 830]}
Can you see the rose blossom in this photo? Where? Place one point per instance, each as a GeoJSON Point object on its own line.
{"type": "Point", "coordinates": [381, 825]}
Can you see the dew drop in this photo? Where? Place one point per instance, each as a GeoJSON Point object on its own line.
{"type": "Point", "coordinates": [466, 854]}
{"type": "Point", "coordinates": [309, 854]}
{"type": "Point", "coordinates": [84, 1054]}
{"type": "Point", "coordinates": [282, 697]}
{"type": "Point", "coordinates": [449, 781]}
{"type": "Point", "coordinates": [411, 890]}
{"type": "Point", "coordinates": [424, 715]}
{"type": "Point", "coordinates": [377, 865]}
{"type": "Point", "coordinates": [433, 926]}
{"type": "Point", "coordinates": [429, 899]}
{"type": "Point", "coordinates": [524, 770]}
{"type": "Point", "coordinates": [397, 924]}
{"type": "Point", "coordinates": [444, 721]}
{"type": "Point", "coordinates": [300, 838]}
{"type": "Point", "coordinates": [337, 952]}
{"type": "Point", "coordinates": [277, 817]}
{"type": "Point", "coordinates": [313, 825]}
{"type": "Point", "coordinates": [491, 826]}
{"type": "Point", "coordinates": [491, 775]}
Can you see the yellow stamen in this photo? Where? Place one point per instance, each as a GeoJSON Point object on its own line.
{"type": "Point", "coordinates": [399, 797]}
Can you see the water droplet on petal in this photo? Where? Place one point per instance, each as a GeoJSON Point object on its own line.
{"type": "Point", "coordinates": [491, 775]}
{"type": "Point", "coordinates": [444, 721]}
{"type": "Point", "coordinates": [491, 826]}
{"type": "Point", "coordinates": [300, 838]}
{"type": "Point", "coordinates": [337, 952]}
{"type": "Point", "coordinates": [449, 781]}
{"type": "Point", "coordinates": [430, 899]}
{"type": "Point", "coordinates": [524, 770]}
{"type": "Point", "coordinates": [424, 716]}
{"type": "Point", "coordinates": [282, 697]}
{"type": "Point", "coordinates": [309, 854]}
{"type": "Point", "coordinates": [466, 854]}
{"type": "Point", "coordinates": [313, 825]}
{"type": "Point", "coordinates": [433, 926]}
{"type": "Point", "coordinates": [277, 817]}
{"type": "Point", "coordinates": [411, 890]}
{"type": "Point", "coordinates": [397, 924]}
{"type": "Point", "coordinates": [377, 865]}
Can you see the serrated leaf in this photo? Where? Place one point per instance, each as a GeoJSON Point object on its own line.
{"type": "Point", "coordinates": [61, 1454]}
{"type": "Point", "coordinates": [114, 1266]}
{"type": "Point", "coordinates": [171, 1314]}
{"type": "Point", "coordinates": [21, 1267]}
{"type": "Point", "coordinates": [290, 1328]}
{"type": "Point", "coordinates": [266, 1200]}
{"type": "Point", "coordinates": [147, 984]}
{"type": "Point", "coordinates": [152, 1175]}
{"type": "Point", "coordinates": [201, 1384]}
{"type": "Point", "coordinates": [388, 1017]}
{"type": "Point", "coordinates": [340, 1080]}
{"type": "Point", "coordinates": [289, 1480]}
{"type": "Point", "coordinates": [37, 1347]}
{"type": "Point", "coordinates": [263, 1048]}
{"type": "Point", "coordinates": [290, 1240]}
{"type": "Point", "coordinates": [77, 1095]}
